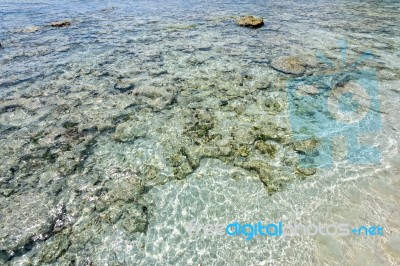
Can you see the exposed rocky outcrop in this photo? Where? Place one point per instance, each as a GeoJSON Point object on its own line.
{"type": "Point", "coordinates": [59, 24]}
{"type": "Point", "coordinates": [250, 21]}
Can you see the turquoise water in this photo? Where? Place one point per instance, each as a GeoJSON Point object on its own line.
{"type": "Point", "coordinates": [142, 116]}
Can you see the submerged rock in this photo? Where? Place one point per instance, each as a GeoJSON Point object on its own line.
{"type": "Point", "coordinates": [124, 85]}
{"type": "Point", "coordinates": [288, 65]}
{"type": "Point", "coordinates": [271, 132]}
{"type": "Point", "coordinates": [25, 218]}
{"type": "Point", "coordinates": [130, 131]}
{"type": "Point", "coordinates": [306, 145]}
{"type": "Point", "coordinates": [305, 171]}
{"type": "Point", "coordinates": [273, 106]}
{"type": "Point", "coordinates": [250, 21]}
{"type": "Point", "coordinates": [59, 24]}
{"type": "Point", "coordinates": [154, 97]}
{"type": "Point", "coordinates": [264, 170]}
{"type": "Point", "coordinates": [30, 29]}
{"type": "Point", "coordinates": [181, 165]}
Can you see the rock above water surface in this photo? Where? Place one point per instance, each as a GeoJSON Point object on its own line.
{"type": "Point", "coordinates": [250, 21]}
{"type": "Point", "coordinates": [59, 24]}
{"type": "Point", "coordinates": [288, 65]}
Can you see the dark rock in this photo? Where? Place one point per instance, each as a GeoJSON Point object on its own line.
{"type": "Point", "coordinates": [69, 124]}
{"type": "Point", "coordinates": [124, 85]}
{"type": "Point", "coordinates": [59, 24]}
{"type": "Point", "coordinates": [250, 21]}
{"type": "Point", "coordinates": [224, 103]}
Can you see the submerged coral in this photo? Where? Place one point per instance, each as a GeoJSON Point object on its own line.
{"type": "Point", "coordinates": [113, 136]}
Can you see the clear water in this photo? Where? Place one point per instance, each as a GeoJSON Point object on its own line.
{"type": "Point", "coordinates": [144, 115]}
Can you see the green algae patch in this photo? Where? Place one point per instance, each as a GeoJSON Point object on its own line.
{"type": "Point", "coordinates": [271, 132]}
{"type": "Point", "coordinates": [273, 106]}
{"type": "Point", "coordinates": [266, 148]}
{"type": "Point", "coordinates": [263, 170]}
{"type": "Point", "coordinates": [180, 164]}
{"type": "Point", "coordinates": [199, 129]}
{"type": "Point", "coordinates": [242, 151]}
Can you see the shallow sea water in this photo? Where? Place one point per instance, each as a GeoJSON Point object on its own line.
{"type": "Point", "coordinates": [145, 115]}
